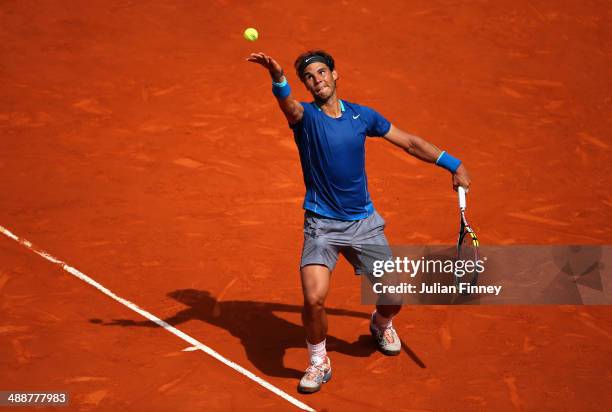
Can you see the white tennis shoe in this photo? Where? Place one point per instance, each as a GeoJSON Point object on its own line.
{"type": "Point", "coordinates": [387, 339]}
{"type": "Point", "coordinates": [316, 375]}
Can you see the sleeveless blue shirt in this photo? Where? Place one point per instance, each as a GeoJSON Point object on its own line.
{"type": "Point", "coordinates": [332, 153]}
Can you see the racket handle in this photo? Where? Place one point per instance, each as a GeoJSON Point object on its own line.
{"type": "Point", "coordinates": [461, 193]}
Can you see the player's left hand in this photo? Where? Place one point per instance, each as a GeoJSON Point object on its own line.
{"type": "Point", "coordinates": [461, 177]}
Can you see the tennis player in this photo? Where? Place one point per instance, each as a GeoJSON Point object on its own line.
{"type": "Point", "coordinates": [339, 217]}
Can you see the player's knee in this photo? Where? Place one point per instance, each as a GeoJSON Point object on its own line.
{"type": "Point", "coordinates": [314, 301]}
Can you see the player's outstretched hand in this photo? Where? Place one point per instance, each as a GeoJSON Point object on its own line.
{"type": "Point", "coordinates": [461, 177]}
{"type": "Point", "coordinates": [275, 69]}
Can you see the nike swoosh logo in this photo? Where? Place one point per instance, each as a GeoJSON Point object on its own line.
{"type": "Point", "coordinates": [355, 117]}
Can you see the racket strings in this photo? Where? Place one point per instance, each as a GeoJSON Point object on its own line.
{"type": "Point", "coordinates": [467, 255]}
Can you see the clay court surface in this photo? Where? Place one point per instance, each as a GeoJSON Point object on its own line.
{"type": "Point", "coordinates": [140, 147]}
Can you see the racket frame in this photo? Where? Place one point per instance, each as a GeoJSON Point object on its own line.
{"type": "Point", "coordinates": [465, 230]}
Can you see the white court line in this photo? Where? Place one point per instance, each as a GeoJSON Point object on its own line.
{"type": "Point", "coordinates": [194, 342]}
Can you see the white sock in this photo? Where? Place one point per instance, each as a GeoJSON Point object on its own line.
{"type": "Point", "coordinates": [317, 352]}
{"type": "Point", "coordinates": [381, 322]}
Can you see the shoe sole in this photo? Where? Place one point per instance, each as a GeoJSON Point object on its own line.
{"type": "Point", "coordinates": [382, 350]}
{"type": "Point", "coordinates": [326, 379]}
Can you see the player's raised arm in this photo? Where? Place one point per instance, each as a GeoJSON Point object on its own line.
{"type": "Point", "coordinates": [422, 149]}
{"type": "Point", "coordinates": [292, 109]}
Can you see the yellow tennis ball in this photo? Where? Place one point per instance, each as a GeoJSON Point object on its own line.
{"type": "Point", "coordinates": [251, 34]}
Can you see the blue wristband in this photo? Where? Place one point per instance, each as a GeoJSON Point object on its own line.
{"type": "Point", "coordinates": [281, 90]}
{"type": "Point", "coordinates": [448, 162]}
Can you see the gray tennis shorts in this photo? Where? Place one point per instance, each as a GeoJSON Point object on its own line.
{"type": "Point", "coordinates": [359, 241]}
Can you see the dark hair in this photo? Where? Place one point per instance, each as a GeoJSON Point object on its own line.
{"type": "Point", "coordinates": [312, 56]}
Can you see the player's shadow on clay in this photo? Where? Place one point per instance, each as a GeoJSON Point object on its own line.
{"type": "Point", "coordinates": [265, 336]}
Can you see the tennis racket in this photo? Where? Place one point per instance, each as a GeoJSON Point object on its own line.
{"type": "Point", "coordinates": [467, 250]}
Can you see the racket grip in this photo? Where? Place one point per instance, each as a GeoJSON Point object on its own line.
{"type": "Point", "coordinates": [461, 193]}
